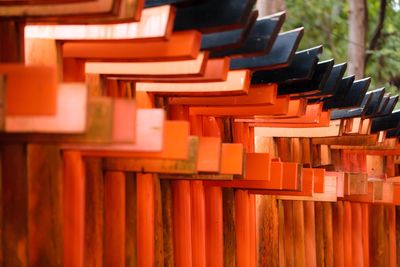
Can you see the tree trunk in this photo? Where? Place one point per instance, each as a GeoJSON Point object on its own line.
{"type": "Point", "coordinates": [356, 46]}
{"type": "Point", "coordinates": [267, 7]}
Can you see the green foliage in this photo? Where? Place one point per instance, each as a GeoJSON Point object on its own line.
{"type": "Point", "coordinates": [325, 23]}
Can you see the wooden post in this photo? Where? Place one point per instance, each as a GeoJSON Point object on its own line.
{"type": "Point", "coordinates": [242, 228]}
{"type": "Point", "coordinates": [94, 212]}
{"type": "Point", "coordinates": [365, 232]}
{"type": "Point", "coordinates": [145, 219]}
{"type": "Point", "coordinates": [114, 219]}
{"type": "Point", "coordinates": [74, 209]}
{"type": "Point", "coordinates": [182, 223]}
{"type": "Point", "coordinates": [268, 235]}
{"type": "Point", "coordinates": [158, 225]}
{"type": "Point", "coordinates": [44, 205]}
{"type": "Point", "coordinates": [309, 234]}
{"type": "Point", "coordinates": [288, 233]}
{"type": "Point", "coordinates": [347, 234]}
{"type": "Point", "coordinates": [252, 230]}
{"type": "Point", "coordinates": [214, 226]}
{"type": "Point", "coordinates": [198, 223]}
{"type": "Point", "coordinates": [337, 233]}
{"type": "Point", "coordinates": [298, 233]}
{"type": "Point", "coordinates": [14, 184]}
{"type": "Point", "coordinates": [14, 206]}
{"type": "Point", "coordinates": [229, 227]}
{"type": "Point", "coordinates": [130, 220]}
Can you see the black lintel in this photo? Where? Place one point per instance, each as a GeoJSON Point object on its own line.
{"type": "Point", "coordinates": [217, 41]}
{"type": "Point", "coordinates": [301, 68]}
{"type": "Point", "coordinates": [390, 105]}
{"type": "Point", "coordinates": [280, 56]}
{"type": "Point", "coordinates": [376, 99]}
{"type": "Point", "coordinates": [260, 40]}
{"type": "Point", "coordinates": [391, 121]}
{"type": "Point", "coordinates": [355, 95]}
{"type": "Point", "coordinates": [344, 86]}
{"type": "Point", "coordinates": [367, 107]}
{"type": "Point", "coordinates": [316, 83]}
{"type": "Point", "coordinates": [392, 133]}
{"type": "Point", "coordinates": [383, 103]}
{"type": "Point", "coordinates": [214, 15]}
{"type": "Point", "coordinates": [332, 85]}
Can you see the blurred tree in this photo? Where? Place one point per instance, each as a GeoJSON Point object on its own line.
{"type": "Point", "coordinates": [270, 6]}
{"type": "Point", "coordinates": [326, 23]}
{"type": "Point", "coordinates": [356, 45]}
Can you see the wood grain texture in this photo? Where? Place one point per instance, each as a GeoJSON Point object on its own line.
{"type": "Point", "coordinates": [12, 44]}
{"type": "Point", "coordinates": [182, 223]}
{"type": "Point", "coordinates": [44, 205]}
{"type": "Point", "coordinates": [288, 233]}
{"type": "Point", "coordinates": [168, 229]}
{"type": "Point", "coordinates": [299, 233]}
{"type": "Point", "coordinates": [158, 224]}
{"type": "Point", "coordinates": [94, 212]}
{"type": "Point", "coordinates": [15, 205]}
{"type": "Point", "coordinates": [347, 234]}
{"type": "Point", "coordinates": [309, 234]}
{"type": "Point", "coordinates": [214, 226]}
{"type": "Point", "coordinates": [228, 198]}
{"type": "Point", "coordinates": [145, 219]}
{"type": "Point", "coordinates": [242, 210]}
{"type": "Point", "coordinates": [114, 219]}
{"type": "Point", "coordinates": [268, 225]}
{"type": "Point", "coordinates": [74, 209]}
{"type": "Point", "coordinates": [130, 222]}
{"type": "Point", "coordinates": [253, 231]}
{"type": "Point", "coordinates": [337, 233]}
{"type": "Point", "coordinates": [198, 214]}
{"type": "Point", "coordinates": [379, 251]}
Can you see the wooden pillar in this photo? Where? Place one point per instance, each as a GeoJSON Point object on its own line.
{"type": "Point", "coordinates": [130, 220]}
{"type": "Point", "coordinates": [168, 230]}
{"type": "Point", "coordinates": [182, 223]}
{"type": "Point", "coordinates": [268, 231]}
{"type": "Point", "coordinates": [252, 230]}
{"type": "Point", "coordinates": [114, 219]}
{"type": "Point", "coordinates": [229, 227]}
{"type": "Point", "coordinates": [337, 233]}
{"type": "Point", "coordinates": [309, 234]}
{"type": "Point", "coordinates": [94, 212]}
{"type": "Point", "coordinates": [392, 235]}
{"type": "Point", "coordinates": [242, 228]}
{"type": "Point", "coordinates": [14, 184]}
{"type": "Point", "coordinates": [298, 233]}
{"type": "Point", "coordinates": [145, 219]}
{"type": "Point", "coordinates": [328, 234]}
{"type": "Point", "coordinates": [44, 205]}
{"type": "Point", "coordinates": [214, 226]}
{"type": "Point", "coordinates": [365, 232]}
{"type": "Point", "coordinates": [288, 233]}
{"type": "Point", "coordinates": [74, 209]}
{"type": "Point", "coordinates": [379, 249]}
{"type": "Point", "coordinates": [158, 225]}
{"type": "Point", "coordinates": [198, 223]}
{"type": "Point", "coordinates": [14, 206]}
{"type": "Point", "coordinates": [347, 234]}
